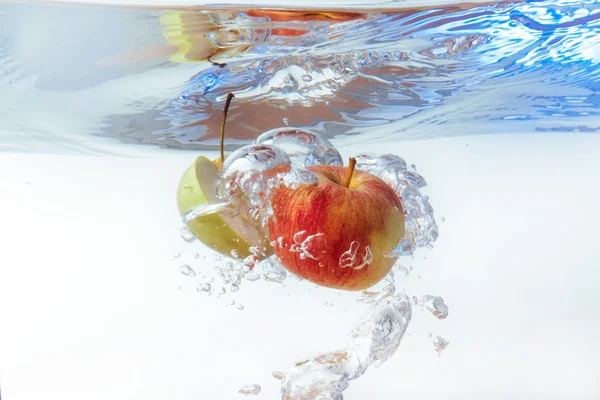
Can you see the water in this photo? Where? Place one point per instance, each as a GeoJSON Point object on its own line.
{"type": "Point", "coordinates": [425, 72]}
{"type": "Point", "coordinates": [486, 114]}
{"type": "Point", "coordinates": [252, 389]}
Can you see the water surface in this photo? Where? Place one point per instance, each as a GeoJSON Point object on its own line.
{"type": "Point", "coordinates": [143, 75]}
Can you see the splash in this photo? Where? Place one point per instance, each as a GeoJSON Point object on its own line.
{"type": "Point", "coordinates": [373, 340]}
{"type": "Point", "coordinates": [420, 224]}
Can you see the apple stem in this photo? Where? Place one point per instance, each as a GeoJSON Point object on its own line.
{"type": "Point", "coordinates": [230, 96]}
{"type": "Point", "coordinates": [351, 166]}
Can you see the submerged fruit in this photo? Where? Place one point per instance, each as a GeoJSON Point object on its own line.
{"type": "Point", "coordinates": [228, 235]}
{"type": "Point", "coordinates": [340, 231]}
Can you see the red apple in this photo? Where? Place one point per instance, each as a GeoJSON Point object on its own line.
{"type": "Point", "coordinates": [337, 232]}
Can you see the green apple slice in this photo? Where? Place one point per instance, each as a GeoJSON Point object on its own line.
{"type": "Point", "coordinates": [227, 235]}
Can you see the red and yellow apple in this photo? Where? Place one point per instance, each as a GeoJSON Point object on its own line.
{"type": "Point", "coordinates": [337, 232]}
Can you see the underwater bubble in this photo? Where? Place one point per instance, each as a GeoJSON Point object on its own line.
{"type": "Point", "coordinates": [278, 375]}
{"type": "Point", "coordinates": [403, 271]}
{"type": "Point", "coordinates": [187, 270]}
{"type": "Point", "coordinates": [248, 177]}
{"type": "Point", "coordinates": [204, 287]}
{"type": "Point", "coordinates": [296, 177]}
{"type": "Point", "coordinates": [324, 376]}
{"type": "Point", "coordinates": [376, 164]}
{"type": "Point", "coordinates": [186, 235]}
{"type": "Point", "coordinates": [405, 247]}
{"type": "Point", "coordinates": [436, 306]}
{"type": "Point", "coordinates": [377, 335]}
{"type": "Point", "coordinates": [309, 246]}
{"type": "Point", "coordinates": [303, 147]}
{"type": "Point", "coordinates": [415, 179]}
{"type": "Point", "coordinates": [381, 290]}
{"type": "Point", "coordinates": [272, 270]}
{"type": "Point", "coordinates": [258, 157]}
{"type": "Point", "coordinates": [252, 389]}
{"type": "Point", "coordinates": [440, 344]}
{"type": "Point", "coordinates": [253, 276]}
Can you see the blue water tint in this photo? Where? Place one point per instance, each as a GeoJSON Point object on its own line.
{"type": "Point", "coordinates": [447, 70]}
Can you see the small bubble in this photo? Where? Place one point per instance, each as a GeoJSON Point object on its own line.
{"type": "Point", "coordinates": [234, 253]}
{"type": "Point", "coordinates": [211, 280]}
{"type": "Point", "coordinates": [286, 121]}
{"type": "Point", "coordinates": [204, 287]}
{"type": "Point", "coordinates": [177, 255]}
{"type": "Point", "coordinates": [252, 389]}
{"type": "Point", "coordinates": [232, 302]}
{"type": "Point", "coordinates": [413, 166]}
{"type": "Point", "coordinates": [253, 277]}
{"type": "Point", "coordinates": [240, 307]}
{"type": "Point", "coordinates": [187, 270]}
{"type": "Point", "coordinates": [307, 78]}
{"type": "Point", "coordinates": [186, 235]}
{"type": "Point", "coordinates": [222, 290]}
{"type": "Point", "coordinates": [439, 343]}
{"type": "Point", "coordinates": [234, 288]}
{"type": "Point", "coordinates": [196, 256]}
{"type": "Point", "coordinates": [443, 219]}
{"type": "Point", "coordinates": [436, 306]}
{"type": "Point", "coordinates": [179, 287]}
{"type": "Point", "coordinates": [278, 375]}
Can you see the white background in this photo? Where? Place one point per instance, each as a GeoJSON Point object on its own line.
{"type": "Point", "coordinates": [90, 306]}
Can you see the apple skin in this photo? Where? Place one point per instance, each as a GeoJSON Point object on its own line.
{"type": "Point", "coordinates": [315, 229]}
